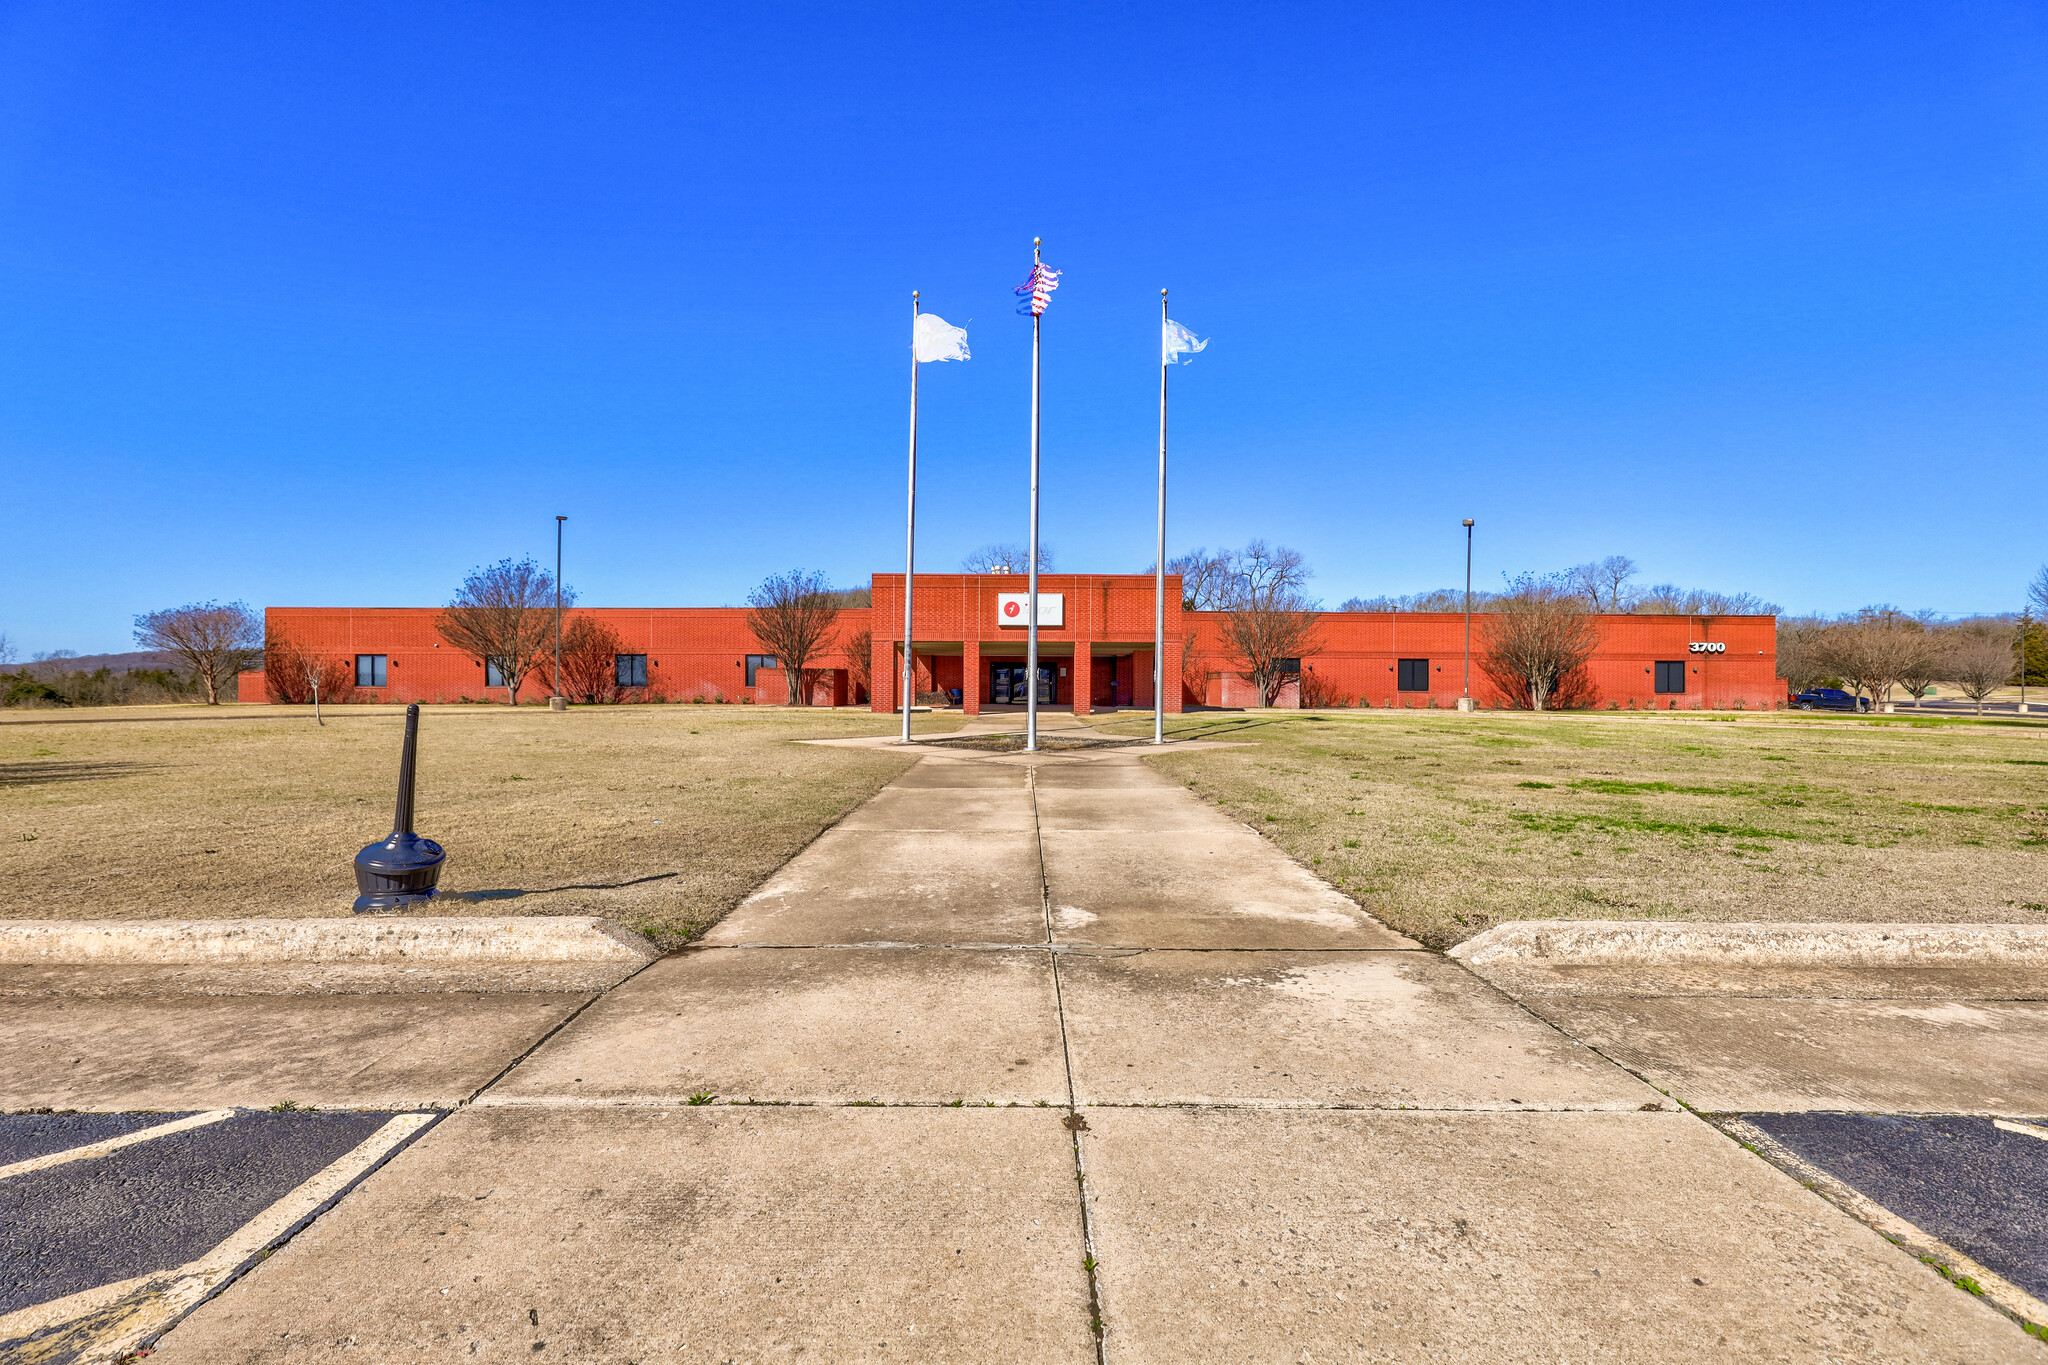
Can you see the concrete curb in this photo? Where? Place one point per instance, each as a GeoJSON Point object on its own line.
{"type": "Point", "coordinates": [1607, 943]}
{"type": "Point", "coordinates": [267, 942]}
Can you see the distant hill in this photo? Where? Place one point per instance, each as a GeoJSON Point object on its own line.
{"type": "Point", "coordinates": [115, 663]}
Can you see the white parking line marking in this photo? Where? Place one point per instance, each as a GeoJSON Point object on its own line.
{"type": "Point", "coordinates": [2029, 1129]}
{"type": "Point", "coordinates": [104, 1324]}
{"type": "Point", "coordinates": [1910, 1236]}
{"type": "Point", "coordinates": [114, 1144]}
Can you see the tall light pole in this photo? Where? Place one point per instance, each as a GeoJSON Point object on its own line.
{"type": "Point", "coordinates": [1159, 564]}
{"type": "Point", "coordinates": [2026, 633]}
{"type": "Point", "coordinates": [1031, 567]}
{"type": "Point", "coordinates": [909, 683]}
{"type": "Point", "coordinates": [558, 604]}
{"type": "Point", "coordinates": [1465, 699]}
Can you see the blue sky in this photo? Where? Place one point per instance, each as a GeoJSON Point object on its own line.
{"type": "Point", "coordinates": [308, 305]}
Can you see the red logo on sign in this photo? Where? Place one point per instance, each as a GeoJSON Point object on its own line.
{"type": "Point", "coordinates": [1012, 608]}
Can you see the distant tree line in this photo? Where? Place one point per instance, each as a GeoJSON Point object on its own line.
{"type": "Point", "coordinates": [1604, 585]}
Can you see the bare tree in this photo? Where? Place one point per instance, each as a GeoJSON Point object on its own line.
{"type": "Point", "coordinates": [1668, 599]}
{"type": "Point", "coordinates": [1537, 638]}
{"type": "Point", "coordinates": [1604, 582]}
{"type": "Point", "coordinates": [1802, 658]}
{"type": "Point", "coordinates": [215, 640]}
{"type": "Point", "coordinates": [298, 676]}
{"type": "Point", "coordinates": [1436, 599]}
{"type": "Point", "coordinates": [1877, 649]}
{"type": "Point", "coordinates": [503, 616]}
{"type": "Point", "coordinates": [6, 649]}
{"type": "Point", "coordinates": [590, 659]}
{"type": "Point", "coordinates": [2037, 593]}
{"type": "Point", "coordinates": [1205, 577]}
{"type": "Point", "coordinates": [1269, 621]}
{"type": "Point", "coordinates": [793, 615]}
{"type": "Point", "coordinates": [1920, 668]}
{"type": "Point", "coordinates": [1979, 659]}
{"type": "Point", "coordinates": [1006, 559]}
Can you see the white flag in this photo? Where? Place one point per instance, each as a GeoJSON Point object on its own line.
{"type": "Point", "coordinates": [1179, 341]}
{"type": "Point", "coordinates": [934, 338]}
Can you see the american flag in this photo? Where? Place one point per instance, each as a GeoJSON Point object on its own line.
{"type": "Point", "coordinates": [1044, 279]}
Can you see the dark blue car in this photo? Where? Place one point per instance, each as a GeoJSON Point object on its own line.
{"type": "Point", "coordinates": [1829, 699]}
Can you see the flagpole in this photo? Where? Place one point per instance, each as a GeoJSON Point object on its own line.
{"type": "Point", "coordinates": [910, 532]}
{"type": "Point", "coordinates": [1031, 585]}
{"type": "Point", "coordinates": [1159, 565]}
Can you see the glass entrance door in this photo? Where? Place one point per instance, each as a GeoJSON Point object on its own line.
{"type": "Point", "coordinates": [1006, 685]}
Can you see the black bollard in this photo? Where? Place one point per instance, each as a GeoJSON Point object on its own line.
{"type": "Point", "coordinates": [400, 871]}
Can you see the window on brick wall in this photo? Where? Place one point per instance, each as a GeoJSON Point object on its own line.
{"type": "Point", "coordinates": [493, 675]}
{"type": "Point", "coordinates": [1671, 675]}
{"type": "Point", "coordinates": [757, 662]}
{"type": "Point", "coordinates": [630, 669]}
{"type": "Point", "coordinates": [370, 670]}
{"type": "Point", "coordinates": [1414, 675]}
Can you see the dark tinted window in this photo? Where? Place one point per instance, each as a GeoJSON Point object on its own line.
{"type": "Point", "coordinates": [630, 669]}
{"type": "Point", "coordinates": [757, 662]}
{"type": "Point", "coordinates": [1414, 675]}
{"type": "Point", "coordinates": [1671, 675]}
{"type": "Point", "coordinates": [369, 670]}
{"type": "Point", "coordinates": [493, 675]}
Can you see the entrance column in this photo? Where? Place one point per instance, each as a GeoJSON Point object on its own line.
{"type": "Point", "coordinates": [970, 677]}
{"type": "Point", "coordinates": [1171, 679]}
{"type": "Point", "coordinates": [1083, 679]}
{"type": "Point", "coordinates": [882, 680]}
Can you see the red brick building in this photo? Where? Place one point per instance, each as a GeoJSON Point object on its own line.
{"type": "Point", "coordinates": [1095, 651]}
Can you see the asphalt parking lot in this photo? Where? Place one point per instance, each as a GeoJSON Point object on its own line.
{"type": "Point", "coordinates": [1978, 1184]}
{"type": "Point", "coordinates": [105, 1202]}
{"type": "Point", "coordinates": [136, 1218]}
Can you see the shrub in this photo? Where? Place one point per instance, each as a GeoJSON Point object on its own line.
{"type": "Point", "coordinates": [590, 651]}
{"type": "Point", "coordinates": [289, 673]}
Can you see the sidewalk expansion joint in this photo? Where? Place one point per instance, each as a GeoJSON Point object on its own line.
{"type": "Point", "coordinates": [1077, 1123]}
{"type": "Point", "coordinates": [1078, 1109]}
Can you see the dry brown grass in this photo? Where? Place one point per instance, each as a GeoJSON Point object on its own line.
{"type": "Point", "coordinates": [659, 817]}
{"type": "Point", "coordinates": [1443, 825]}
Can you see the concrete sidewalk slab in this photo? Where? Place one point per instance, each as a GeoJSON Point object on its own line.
{"type": "Point", "coordinates": [907, 810]}
{"type": "Point", "coordinates": [813, 1025]}
{"type": "Point", "coordinates": [934, 773]}
{"type": "Point", "coordinates": [872, 886]}
{"type": "Point", "coordinates": [1119, 772]}
{"type": "Point", "coordinates": [1219, 888]}
{"type": "Point", "coordinates": [1384, 1029]}
{"type": "Point", "coordinates": [1226, 1236]}
{"type": "Point", "coordinates": [212, 1052]}
{"type": "Point", "coordinates": [1128, 809]}
{"type": "Point", "coordinates": [1751, 1055]}
{"type": "Point", "coordinates": [683, 1234]}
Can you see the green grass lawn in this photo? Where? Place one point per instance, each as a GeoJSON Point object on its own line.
{"type": "Point", "coordinates": [1443, 825]}
{"type": "Point", "coordinates": [659, 817]}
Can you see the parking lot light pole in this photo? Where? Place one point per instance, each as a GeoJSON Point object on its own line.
{"type": "Point", "coordinates": [1465, 698]}
{"type": "Point", "coordinates": [558, 608]}
{"type": "Point", "coordinates": [2026, 634]}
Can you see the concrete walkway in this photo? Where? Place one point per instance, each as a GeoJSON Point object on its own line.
{"type": "Point", "coordinates": [1041, 1059]}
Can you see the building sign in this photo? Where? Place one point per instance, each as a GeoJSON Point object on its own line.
{"type": "Point", "coordinates": [1708, 647]}
{"type": "Point", "coordinates": [1012, 609]}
